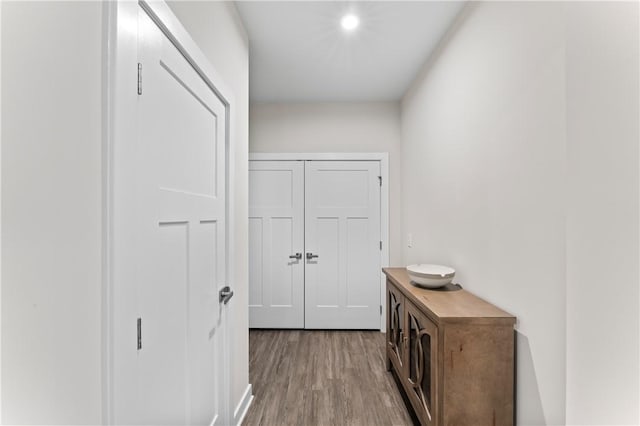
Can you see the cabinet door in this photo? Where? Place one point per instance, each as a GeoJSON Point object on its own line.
{"type": "Point", "coordinates": [395, 327]}
{"type": "Point", "coordinates": [422, 364]}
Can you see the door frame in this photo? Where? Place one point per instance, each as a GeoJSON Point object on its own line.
{"type": "Point", "coordinates": [383, 157]}
{"type": "Point", "coordinates": [119, 90]}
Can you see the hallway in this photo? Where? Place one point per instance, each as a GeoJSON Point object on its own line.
{"type": "Point", "coordinates": [304, 377]}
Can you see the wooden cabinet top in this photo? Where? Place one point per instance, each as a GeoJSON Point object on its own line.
{"type": "Point", "coordinates": [449, 304]}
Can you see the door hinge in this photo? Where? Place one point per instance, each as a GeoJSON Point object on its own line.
{"type": "Point", "coordinates": [380, 179]}
{"type": "Point", "coordinates": [380, 245]}
{"type": "Point", "coordinates": [139, 78]}
{"type": "Point", "coordinates": [381, 310]}
{"type": "Point", "coordinates": [139, 333]}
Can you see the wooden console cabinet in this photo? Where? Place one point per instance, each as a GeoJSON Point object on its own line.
{"type": "Point", "coordinates": [453, 353]}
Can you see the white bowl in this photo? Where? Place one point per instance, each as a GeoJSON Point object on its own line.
{"type": "Point", "coordinates": [430, 276]}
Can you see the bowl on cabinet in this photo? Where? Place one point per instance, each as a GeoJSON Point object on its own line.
{"type": "Point", "coordinates": [429, 275]}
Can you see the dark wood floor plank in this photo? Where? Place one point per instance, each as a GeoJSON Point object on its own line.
{"type": "Point", "coordinates": [319, 377]}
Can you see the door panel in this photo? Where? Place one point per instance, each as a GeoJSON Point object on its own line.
{"type": "Point", "coordinates": [282, 229]}
{"type": "Point", "coordinates": [178, 176]}
{"type": "Point", "coordinates": [165, 319]}
{"type": "Point", "coordinates": [256, 265]}
{"type": "Point", "coordinates": [358, 287]}
{"type": "Point", "coordinates": [342, 228]}
{"type": "Point", "coordinates": [205, 362]}
{"type": "Point", "coordinates": [326, 295]}
{"type": "Point", "coordinates": [276, 232]}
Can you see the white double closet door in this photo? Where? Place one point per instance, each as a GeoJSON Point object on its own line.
{"type": "Point", "coordinates": [314, 244]}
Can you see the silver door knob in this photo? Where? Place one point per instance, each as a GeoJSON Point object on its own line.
{"type": "Point", "coordinates": [297, 256]}
{"type": "Point", "coordinates": [311, 256]}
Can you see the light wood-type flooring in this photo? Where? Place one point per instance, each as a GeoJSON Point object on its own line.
{"type": "Point", "coordinates": [304, 377]}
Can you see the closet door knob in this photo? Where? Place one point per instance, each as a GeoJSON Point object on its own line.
{"type": "Point", "coordinates": [297, 256]}
{"type": "Point", "coordinates": [311, 256]}
{"type": "Point", "coordinates": [225, 295]}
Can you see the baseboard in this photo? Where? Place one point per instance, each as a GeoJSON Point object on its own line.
{"type": "Point", "coordinates": [243, 406]}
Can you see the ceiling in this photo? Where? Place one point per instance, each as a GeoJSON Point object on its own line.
{"type": "Point", "coordinates": [300, 53]}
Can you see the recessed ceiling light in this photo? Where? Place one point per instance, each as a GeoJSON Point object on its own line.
{"type": "Point", "coordinates": [350, 22]}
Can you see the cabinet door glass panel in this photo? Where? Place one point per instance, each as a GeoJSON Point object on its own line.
{"type": "Point", "coordinates": [422, 353]}
{"type": "Point", "coordinates": [396, 324]}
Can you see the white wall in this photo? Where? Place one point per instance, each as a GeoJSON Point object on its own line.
{"type": "Point", "coordinates": [218, 31]}
{"type": "Point", "coordinates": [484, 180]}
{"type": "Point", "coordinates": [335, 127]}
{"type": "Point", "coordinates": [520, 160]}
{"type": "Point", "coordinates": [51, 202]}
{"type": "Point", "coordinates": [51, 212]}
{"type": "Point", "coordinates": [602, 222]}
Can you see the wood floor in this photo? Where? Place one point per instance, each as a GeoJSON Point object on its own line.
{"type": "Point", "coordinates": [304, 377]}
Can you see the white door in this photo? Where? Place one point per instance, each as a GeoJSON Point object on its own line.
{"type": "Point", "coordinates": [177, 243]}
{"type": "Point", "coordinates": [276, 244]}
{"type": "Point", "coordinates": [342, 244]}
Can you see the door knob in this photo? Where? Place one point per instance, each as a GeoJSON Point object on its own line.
{"type": "Point", "coordinates": [226, 294]}
{"type": "Point", "coordinates": [311, 256]}
{"type": "Point", "coordinates": [297, 256]}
